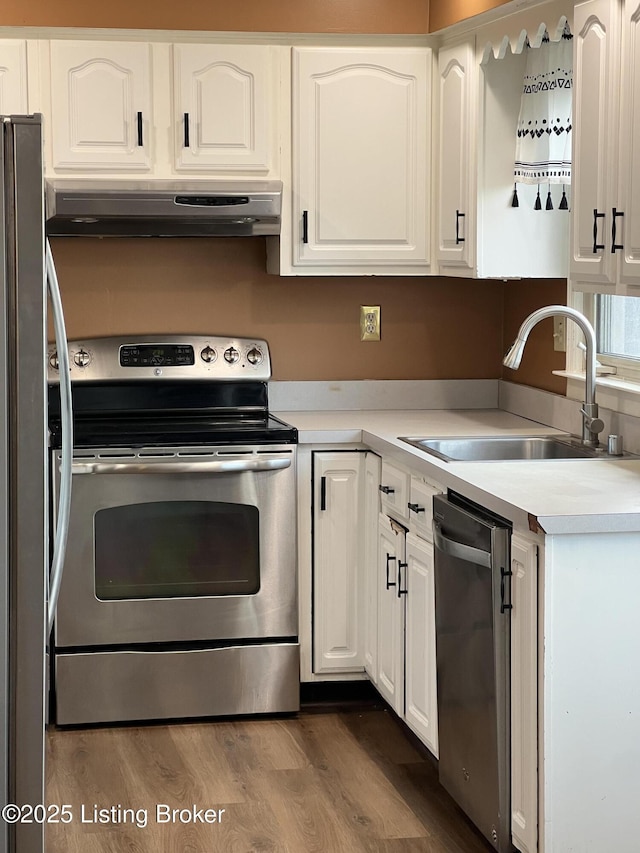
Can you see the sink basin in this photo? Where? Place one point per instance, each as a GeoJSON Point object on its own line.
{"type": "Point", "coordinates": [503, 448]}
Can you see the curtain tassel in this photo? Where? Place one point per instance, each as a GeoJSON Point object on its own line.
{"type": "Point", "coordinates": [564, 204]}
{"type": "Point", "coordinates": [538, 204]}
{"type": "Point", "coordinates": [549, 204]}
{"type": "Point", "coordinates": [514, 200]}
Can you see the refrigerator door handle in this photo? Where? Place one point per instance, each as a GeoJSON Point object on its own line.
{"type": "Point", "coordinates": [64, 504]}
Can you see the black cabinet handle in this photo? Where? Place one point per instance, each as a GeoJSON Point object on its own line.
{"type": "Point", "coordinates": [140, 140]}
{"type": "Point", "coordinates": [185, 143]}
{"type": "Point", "coordinates": [387, 490]}
{"type": "Point", "coordinates": [459, 216]}
{"type": "Point", "coordinates": [505, 573]}
{"type": "Point", "coordinates": [415, 508]}
{"type": "Point", "coordinates": [305, 226]}
{"type": "Point", "coordinates": [615, 246]}
{"type": "Point", "coordinates": [596, 245]}
{"type": "Point", "coordinates": [323, 494]}
{"type": "Point", "coordinates": [401, 566]}
{"type": "Point", "coordinates": [390, 583]}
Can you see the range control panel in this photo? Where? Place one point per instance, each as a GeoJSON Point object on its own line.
{"type": "Point", "coordinates": [212, 358]}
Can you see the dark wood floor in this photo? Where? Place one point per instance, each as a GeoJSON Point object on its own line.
{"type": "Point", "coordinates": [324, 782]}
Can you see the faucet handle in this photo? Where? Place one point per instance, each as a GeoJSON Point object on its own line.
{"type": "Point", "coordinates": [594, 425]}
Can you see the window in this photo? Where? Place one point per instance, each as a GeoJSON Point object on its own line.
{"type": "Point", "coordinates": [617, 326]}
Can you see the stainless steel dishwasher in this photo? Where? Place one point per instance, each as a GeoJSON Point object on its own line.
{"type": "Point", "coordinates": [473, 604]}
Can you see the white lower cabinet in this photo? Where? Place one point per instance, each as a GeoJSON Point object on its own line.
{"type": "Point", "coordinates": [421, 704]}
{"type": "Point", "coordinates": [373, 581]}
{"type": "Point", "coordinates": [370, 552]}
{"type": "Point", "coordinates": [406, 671]}
{"type": "Point", "coordinates": [391, 616]}
{"type": "Point", "coordinates": [345, 509]}
{"type": "Point", "coordinates": [524, 693]}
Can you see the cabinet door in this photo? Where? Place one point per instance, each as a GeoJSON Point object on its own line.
{"type": "Point", "coordinates": [421, 705]}
{"type": "Point", "coordinates": [371, 504]}
{"type": "Point", "coordinates": [524, 693]}
{"type": "Point", "coordinates": [391, 553]}
{"type": "Point", "coordinates": [456, 217]}
{"type": "Point", "coordinates": [336, 617]}
{"type": "Point", "coordinates": [595, 116]}
{"type": "Point", "coordinates": [222, 106]}
{"type": "Point", "coordinates": [13, 77]}
{"type": "Point", "coordinates": [101, 106]}
{"type": "Point", "coordinates": [628, 226]}
{"type": "Point", "coordinates": [361, 153]}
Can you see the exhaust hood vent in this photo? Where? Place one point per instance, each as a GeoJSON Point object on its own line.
{"type": "Point", "coordinates": [163, 208]}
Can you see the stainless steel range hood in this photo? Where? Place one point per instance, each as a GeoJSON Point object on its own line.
{"type": "Point", "coordinates": [132, 208]}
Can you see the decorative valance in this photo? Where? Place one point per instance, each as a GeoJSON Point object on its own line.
{"type": "Point", "coordinates": [543, 132]}
{"type": "Point", "coordinates": [543, 142]}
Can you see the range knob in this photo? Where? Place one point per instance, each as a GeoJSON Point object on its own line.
{"type": "Point", "coordinates": [254, 356]}
{"type": "Point", "coordinates": [231, 355]}
{"type": "Point", "coordinates": [82, 358]}
{"type": "Point", "coordinates": [54, 361]}
{"type": "Point", "coordinates": [208, 355]}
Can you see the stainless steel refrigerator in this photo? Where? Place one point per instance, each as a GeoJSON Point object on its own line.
{"type": "Point", "coordinates": [25, 613]}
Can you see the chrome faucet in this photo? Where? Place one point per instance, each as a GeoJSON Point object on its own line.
{"type": "Point", "coordinates": [592, 425]}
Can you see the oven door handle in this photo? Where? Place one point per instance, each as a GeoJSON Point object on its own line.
{"type": "Point", "coordinates": [211, 466]}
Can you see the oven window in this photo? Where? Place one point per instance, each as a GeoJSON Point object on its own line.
{"type": "Point", "coordinates": [175, 549]}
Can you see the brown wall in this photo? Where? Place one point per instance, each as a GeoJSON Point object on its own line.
{"type": "Point", "coordinates": [443, 13]}
{"type": "Point", "coordinates": [431, 327]}
{"type": "Point", "coordinates": [285, 16]}
{"type": "Point", "coordinates": [313, 16]}
{"type": "Point", "coordinates": [539, 359]}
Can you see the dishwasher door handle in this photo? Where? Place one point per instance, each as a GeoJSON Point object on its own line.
{"type": "Point", "coordinates": [459, 549]}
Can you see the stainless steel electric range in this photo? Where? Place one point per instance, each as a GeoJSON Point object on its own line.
{"type": "Point", "coordinates": [179, 595]}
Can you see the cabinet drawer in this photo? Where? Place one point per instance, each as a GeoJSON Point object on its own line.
{"type": "Point", "coordinates": [394, 491]}
{"type": "Point", "coordinates": [420, 506]}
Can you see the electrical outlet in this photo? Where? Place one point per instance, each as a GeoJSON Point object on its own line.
{"type": "Point", "coordinates": [560, 334]}
{"type": "Point", "coordinates": [369, 322]}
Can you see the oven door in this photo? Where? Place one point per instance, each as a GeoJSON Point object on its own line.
{"type": "Point", "coordinates": [179, 545]}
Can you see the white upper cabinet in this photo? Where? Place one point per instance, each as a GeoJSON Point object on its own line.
{"type": "Point", "coordinates": [480, 84]}
{"type": "Point", "coordinates": [222, 106]}
{"type": "Point", "coordinates": [595, 140]}
{"type": "Point", "coordinates": [13, 77]}
{"type": "Point", "coordinates": [514, 242]}
{"type": "Point", "coordinates": [456, 146]}
{"type": "Point", "coordinates": [101, 106]}
{"type": "Point", "coordinates": [605, 251]}
{"type": "Point", "coordinates": [361, 129]}
{"type": "Point", "coordinates": [629, 179]}
{"type": "Point", "coordinates": [127, 107]}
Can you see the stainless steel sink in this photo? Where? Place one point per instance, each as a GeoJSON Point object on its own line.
{"type": "Point", "coordinates": [503, 448]}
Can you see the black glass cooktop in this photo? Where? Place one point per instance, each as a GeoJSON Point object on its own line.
{"type": "Point", "coordinates": [161, 414]}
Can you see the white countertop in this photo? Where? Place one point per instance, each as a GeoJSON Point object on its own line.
{"type": "Point", "coordinates": [561, 496]}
